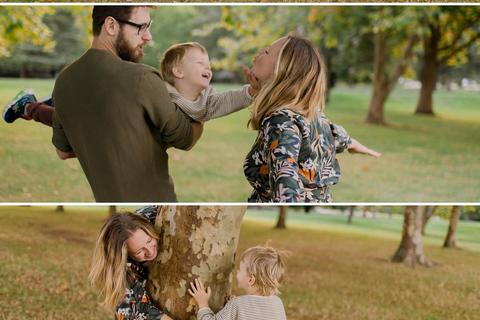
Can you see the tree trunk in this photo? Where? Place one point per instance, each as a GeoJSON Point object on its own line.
{"type": "Point", "coordinates": [427, 214]}
{"type": "Point", "coordinates": [195, 241]}
{"type": "Point", "coordinates": [350, 214]}
{"type": "Point", "coordinates": [112, 210]}
{"type": "Point", "coordinates": [281, 218]}
{"type": "Point", "coordinates": [410, 250]}
{"type": "Point", "coordinates": [381, 86]}
{"type": "Point", "coordinates": [60, 209]}
{"type": "Point", "coordinates": [428, 71]}
{"type": "Point", "coordinates": [451, 238]}
{"type": "Point", "coordinates": [379, 95]}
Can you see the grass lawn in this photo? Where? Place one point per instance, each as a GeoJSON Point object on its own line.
{"type": "Point", "coordinates": [424, 159]}
{"type": "Point", "coordinates": [335, 271]}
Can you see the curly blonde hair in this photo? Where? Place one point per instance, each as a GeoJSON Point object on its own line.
{"type": "Point", "coordinates": [266, 265]}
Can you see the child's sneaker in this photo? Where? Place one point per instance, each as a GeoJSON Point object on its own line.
{"type": "Point", "coordinates": [16, 108]}
{"type": "Point", "coordinates": [47, 100]}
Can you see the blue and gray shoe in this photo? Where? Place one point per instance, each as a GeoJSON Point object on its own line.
{"type": "Point", "coordinates": [17, 107]}
{"type": "Point", "coordinates": [47, 100]}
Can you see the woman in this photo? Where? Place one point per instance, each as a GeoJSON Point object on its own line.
{"type": "Point", "coordinates": [125, 246]}
{"type": "Point", "coordinates": [294, 156]}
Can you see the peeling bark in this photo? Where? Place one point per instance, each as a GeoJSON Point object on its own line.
{"type": "Point", "coordinates": [195, 241]}
{"type": "Point", "coordinates": [451, 238]}
{"type": "Point", "coordinates": [410, 251]}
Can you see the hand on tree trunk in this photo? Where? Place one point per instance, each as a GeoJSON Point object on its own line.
{"type": "Point", "coordinates": [199, 293]}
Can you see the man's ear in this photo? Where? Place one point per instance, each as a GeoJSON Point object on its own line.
{"type": "Point", "coordinates": [110, 26]}
{"type": "Point", "coordinates": [177, 72]}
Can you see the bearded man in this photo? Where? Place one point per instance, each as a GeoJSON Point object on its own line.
{"type": "Point", "coordinates": [116, 116]}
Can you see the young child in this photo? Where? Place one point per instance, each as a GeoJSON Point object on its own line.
{"type": "Point", "coordinates": [260, 274]}
{"type": "Point", "coordinates": [186, 70]}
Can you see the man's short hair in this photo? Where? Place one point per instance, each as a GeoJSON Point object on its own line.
{"type": "Point", "coordinates": [174, 56]}
{"type": "Point", "coordinates": [100, 13]}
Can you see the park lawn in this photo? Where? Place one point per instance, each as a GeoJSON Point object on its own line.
{"type": "Point", "coordinates": [424, 158]}
{"type": "Point", "coordinates": [332, 273]}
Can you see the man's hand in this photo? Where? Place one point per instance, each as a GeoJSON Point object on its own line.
{"type": "Point", "coordinates": [198, 292]}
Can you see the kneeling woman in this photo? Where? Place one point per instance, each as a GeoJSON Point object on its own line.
{"type": "Point", "coordinates": [126, 245]}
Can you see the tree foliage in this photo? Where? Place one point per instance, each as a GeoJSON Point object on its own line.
{"type": "Point", "coordinates": [24, 24]}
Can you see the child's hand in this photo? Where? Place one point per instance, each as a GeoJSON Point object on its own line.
{"type": "Point", "coordinates": [199, 294]}
{"type": "Point", "coordinates": [254, 84]}
{"type": "Point", "coordinates": [230, 297]}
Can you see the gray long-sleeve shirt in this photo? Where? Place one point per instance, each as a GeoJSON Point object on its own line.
{"type": "Point", "coordinates": [247, 307]}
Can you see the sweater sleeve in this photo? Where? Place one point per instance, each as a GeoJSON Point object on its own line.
{"type": "Point", "coordinates": [229, 312]}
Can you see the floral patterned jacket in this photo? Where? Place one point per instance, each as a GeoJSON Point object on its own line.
{"type": "Point", "coordinates": [137, 304]}
{"type": "Point", "coordinates": [294, 160]}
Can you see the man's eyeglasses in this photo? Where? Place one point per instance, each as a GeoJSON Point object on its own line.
{"type": "Point", "coordinates": [141, 27]}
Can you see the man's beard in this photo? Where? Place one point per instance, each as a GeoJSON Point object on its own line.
{"type": "Point", "coordinates": [125, 51]}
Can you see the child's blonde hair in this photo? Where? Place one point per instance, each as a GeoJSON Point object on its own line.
{"type": "Point", "coordinates": [266, 265]}
{"type": "Point", "coordinates": [174, 56]}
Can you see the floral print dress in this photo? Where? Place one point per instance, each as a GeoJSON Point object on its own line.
{"type": "Point", "coordinates": [137, 304]}
{"type": "Point", "coordinates": [294, 160]}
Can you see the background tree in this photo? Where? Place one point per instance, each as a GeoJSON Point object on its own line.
{"type": "Point", "coordinates": [19, 24]}
{"type": "Point", "coordinates": [30, 58]}
{"type": "Point", "coordinates": [112, 210]}
{"type": "Point", "coordinates": [179, 21]}
{"type": "Point", "coordinates": [428, 212]}
{"type": "Point", "coordinates": [451, 30]}
{"type": "Point", "coordinates": [351, 210]}
{"type": "Point", "coordinates": [60, 209]}
{"type": "Point", "coordinates": [282, 215]}
{"type": "Point", "coordinates": [394, 30]}
{"type": "Point", "coordinates": [451, 238]}
{"type": "Point", "coordinates": [410, 251]}
{"type": "Point", "coordinates": [195, 241]}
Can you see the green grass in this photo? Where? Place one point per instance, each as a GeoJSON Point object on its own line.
{"type": "Point", "coordinates": [335, 271]}
{"type": "Point", "coordinates": [424, 158]}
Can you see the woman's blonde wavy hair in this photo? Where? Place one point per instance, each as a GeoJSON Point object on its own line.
{"type": "Point", "coordinates": [110, 273]}
{"type": "Point", "coordinates": [298, 82]}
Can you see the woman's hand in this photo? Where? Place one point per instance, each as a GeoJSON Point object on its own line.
{"type": "Point", "coordinates": [357, 147]}
{"type": "Point", "coordinates": [199, 294]}
{"type": "Point", "coordinates": [254, 84]}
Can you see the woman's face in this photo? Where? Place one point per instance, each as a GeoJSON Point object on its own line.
{"type": "Point", "coordinates": [141, 247]}
{"type": "Point", "coordinates": [264, 62]}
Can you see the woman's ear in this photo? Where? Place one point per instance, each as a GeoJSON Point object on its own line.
{"type": "Point", "coordinates": [110, 26]}
{"type": "Point", "coordinates": [177, 72]}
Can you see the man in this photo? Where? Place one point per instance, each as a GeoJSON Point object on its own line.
{"type": "Point", "coordinates": [116, 116]}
